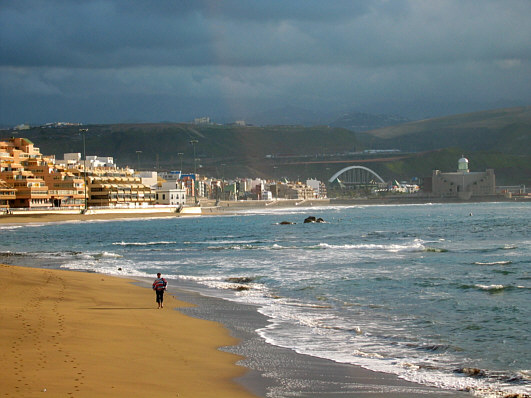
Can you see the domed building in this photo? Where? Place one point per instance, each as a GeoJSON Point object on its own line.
{"type": "Point", "coordinates": [462, 165]}
{"type": "Point", "coordinates": [463, 183]}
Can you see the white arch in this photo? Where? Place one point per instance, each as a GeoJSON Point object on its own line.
{"type": "Point", "coordinates": [354, 167]}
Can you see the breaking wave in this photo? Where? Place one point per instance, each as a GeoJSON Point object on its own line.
{"type": "Point", "coordinates": [160, 243]}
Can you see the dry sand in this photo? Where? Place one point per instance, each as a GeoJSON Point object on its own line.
{"type": "Point", "coordinates": [55, 217]}
{"type": "Point", "coordinates": [75, 334]}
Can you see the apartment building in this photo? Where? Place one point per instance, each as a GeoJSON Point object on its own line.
{"type": "Point", "coordinates": [30, 191]}
{"type": "Point", "coordinates": [118, 189]}
{"type": "Point", "coordinates": [66, 189]}
{"type": "Point", "coordinates": [7, 194]}
{"type": "Point", "coordinates": [38, 182]}
{"type": "Point", "coordinates": [292, 191]}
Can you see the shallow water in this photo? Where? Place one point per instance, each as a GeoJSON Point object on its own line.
{"type": "Point", "coordinates": [438, 294]}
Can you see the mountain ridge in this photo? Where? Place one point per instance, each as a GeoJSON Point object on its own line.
{"type": "Point", "coordinates": [497, 139]}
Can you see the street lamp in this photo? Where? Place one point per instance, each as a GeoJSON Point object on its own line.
{"type": "Point", "coordinates": [193, 142]}
{"type": "Point", "coordinates": [180, 154]}
{"type": "Point", "coordinates": [138, 160]}
{"type": "Point", "coordinates": [223, 171]}
{"type": "Point", "coordinates": [84, 131]}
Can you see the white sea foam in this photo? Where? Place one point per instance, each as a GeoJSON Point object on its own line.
{"type": "Point", "coordinates": [108, 255]}
{"type": "Point", "coordinates": [227, 242]}
{"type": "Point", "coordinates": [490, 287]}
{"type": "Point", "coordinates": [493, 262]}
{"type": "Point", "coordinates": [302, 332]}
{"type": "Point", "coordinates": [9, 227]}
{"type": "Point", "coordinates": [115, 269]}
{"type": "Point", "coordinates": [20, 226]}
{"type": "Point", "coordinates": [156, 243]}
{"type": "Point", "coordinates": [312, 329]}
{"type": "Point", "coordinates": [414, 246]}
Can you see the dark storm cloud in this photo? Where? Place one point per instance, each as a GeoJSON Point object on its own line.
{"type": "Point", "coordinates": [263, 53]}
{"type": "Point", "coordinates": [118, 34]}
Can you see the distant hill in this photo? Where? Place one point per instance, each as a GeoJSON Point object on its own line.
{"type": "Point", "coordinates": [243, 151]}
{"type": "Point", "coordinates": [359, 121]}
{"type": "Point", "coordinates": [288, 116]}
{"type": "Point", "coordinates": [296, 116]}
{"type": "Point", "coordinates": [498, 139]}
{"type": "Point", "coordinates": [505, 130]}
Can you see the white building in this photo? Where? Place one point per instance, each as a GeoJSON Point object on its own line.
{"type": "Point", "coordinates": [170, 193]}
{"type": "Point", "coordinates": [202, 120]}
{"type": "Point", "coordinates": [101, 161]}
{"type": "Point", "coordinates": [74, 159]}
{"type": "Point", "coordinates": [463, 184]}
{"type": "Point", "coordinates": [148, 178]}
{"type": "Point", "coordinates": [172, 197]}
{"type": "Point", "coordinates": [170, 175]}
{"type": "Point", "coordinates": [70, 159]}
{"type": "Point", "coordinates": [267, 195]}
{"type": "Point", "coordinates": [318, 187]}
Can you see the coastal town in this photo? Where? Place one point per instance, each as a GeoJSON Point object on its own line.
{"type": "Point", "coordinates": [30, 180]}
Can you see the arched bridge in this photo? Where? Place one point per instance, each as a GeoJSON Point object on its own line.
{"type": "Point", "coordinates": [357, 175]}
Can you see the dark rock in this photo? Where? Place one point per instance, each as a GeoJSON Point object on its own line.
{"type": "Point", "coordinates": [286, 223]}
{"type": "Point", "coordinates": [474, 372]}
{"type": "Point", "coordinates": [313, 219]}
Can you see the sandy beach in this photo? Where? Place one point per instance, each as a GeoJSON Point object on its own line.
{"type": "Point", "coordinates": [56, 217]}
{"type": "Point", "coordinates": [67, 333]}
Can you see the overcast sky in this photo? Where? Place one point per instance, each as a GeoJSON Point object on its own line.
{"type": "Point", "coordinates": [147, 61]}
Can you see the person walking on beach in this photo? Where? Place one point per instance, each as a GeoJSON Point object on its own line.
{"type": "Point", "coordinates": [159, 285]}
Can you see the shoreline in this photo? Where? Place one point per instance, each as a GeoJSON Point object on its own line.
{"type": "Point", "coordinates": [281, 372]}
{"type": "Point", "coordinates": [210, 208]}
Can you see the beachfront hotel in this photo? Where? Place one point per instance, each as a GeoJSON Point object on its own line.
{"type": "Point", "coordinates": [30, 180]}
{"type": "Point", "coordinates": [111, 190]}
{"type": "Point", "coordinates": [7, 193]}
{"type": "Point", "coordinates": [30, 190]}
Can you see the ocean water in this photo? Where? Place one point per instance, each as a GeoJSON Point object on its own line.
{"type": "Point", "coordinates": [438, 294]}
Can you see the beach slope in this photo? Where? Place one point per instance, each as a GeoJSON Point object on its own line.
{"type": "Point", "coordinates": [67, 333]}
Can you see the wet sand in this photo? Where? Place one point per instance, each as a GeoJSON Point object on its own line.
{"type": "Point", "coordinates": [278, 372]}
{"type": "Point", "coordinates": [67, 333]}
